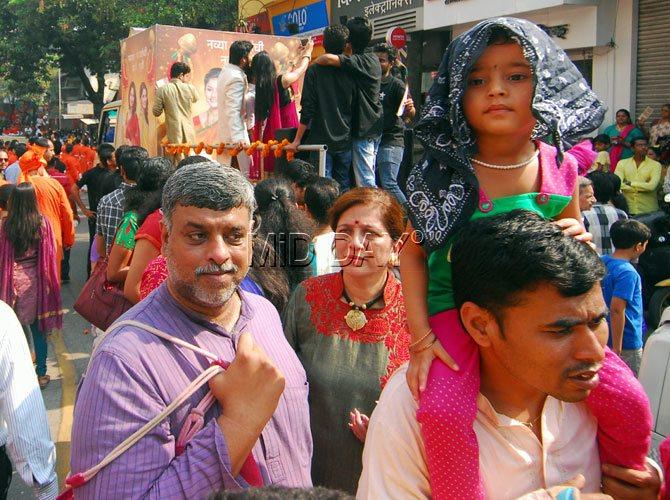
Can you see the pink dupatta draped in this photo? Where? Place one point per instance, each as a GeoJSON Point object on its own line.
{"type": "Point", "coordinates": [49, 311]}
{"type": "Point", "coordinates": [616, 150]}
{"type": "Point", "coordinates": [279, 117]}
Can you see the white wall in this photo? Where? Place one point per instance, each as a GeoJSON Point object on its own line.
{"type": "Point", "coordinates": [438, 14]}
{"type": "Point", "coordinates": [582, 23]}
{"type": "Point", "coordinates": [593, 24]}
{"type": "Point", "coordinates": [614, 67]}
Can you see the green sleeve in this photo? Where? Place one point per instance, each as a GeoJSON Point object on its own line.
{"type": "Point", "coordinates": [125, 234]}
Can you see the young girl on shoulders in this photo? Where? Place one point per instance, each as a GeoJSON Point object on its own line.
{"type": "Point", "coordinates": [505, 91]}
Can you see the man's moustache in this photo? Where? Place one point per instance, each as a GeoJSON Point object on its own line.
{"type": "Point", "coordinates": [216, 269]}
{"type": "Point", "coordinates": [581, 368]}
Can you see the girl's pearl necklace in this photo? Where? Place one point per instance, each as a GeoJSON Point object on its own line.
{"type": "Point", "coordinates": [507, 167]}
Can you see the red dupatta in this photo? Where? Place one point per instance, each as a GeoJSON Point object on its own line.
{"type": "Point", "coordinates": [617, 149]}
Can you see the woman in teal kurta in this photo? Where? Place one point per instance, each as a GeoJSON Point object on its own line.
{"type": "Point", "coordinates": [622, 133]}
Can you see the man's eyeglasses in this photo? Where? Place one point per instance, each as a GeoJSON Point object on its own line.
{"type": "Point", "coordinates": [4, 160]}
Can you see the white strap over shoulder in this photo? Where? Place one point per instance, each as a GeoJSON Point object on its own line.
{"type": "Point", "coordinates": [216, 368]}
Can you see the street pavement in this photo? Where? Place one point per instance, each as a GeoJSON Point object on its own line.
{"type": "Point", "coordinates": [69, 353]}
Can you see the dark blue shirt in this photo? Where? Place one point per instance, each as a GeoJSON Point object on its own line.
{"type": "Point", "coordinates": [623, 281]}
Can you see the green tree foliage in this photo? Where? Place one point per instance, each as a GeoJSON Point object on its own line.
{"type": "Point", "coordinates": [38, 35]}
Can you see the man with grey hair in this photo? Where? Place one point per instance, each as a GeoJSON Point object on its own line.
{"type": "Point", "coordinates": [586, 196]}
{"type": "Point", "coordinates": [261, 398]}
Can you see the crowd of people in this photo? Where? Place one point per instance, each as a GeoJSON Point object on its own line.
{"type": "Point", "coordinates": [324, 337]}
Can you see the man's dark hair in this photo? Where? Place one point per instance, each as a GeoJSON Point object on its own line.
{"type": "Point", "coordinates": [281, 493]}
{"type": "Point", "coordinates": [191, 160]}
{"type": "Point", "coordinates": [360, 33]}
{"type": "Point", "coordinates": [105, 153]}
{"type": "Point", "coordinates": [55, 162]}
{"type": "Point", "coordinates": [13, 144]}
{"type": "Point", "coordinates": [320, 194]}
{"type": "Point", "coordinates": [496, 258]}
{"type": "Point", "coordinates": [119, 151]}
{"type": "Point", "coordinates": [20, 149]}
{"type": "Point", "coordinates": [42, 142]}
{"type": "Point", "coordinates": [603, 187]}
{"type": "Point", "coordinates": [69, 147]}
{"type": "Point", "coordinates": [299, 171]}
{"type": "Point", "coordinates": [385, 48]}
{"type": "Point", "coordinates": [626, 233]}
{"type": "Point", "coordinates": [636, 140]}
{"type": "Point", "coordinates": [130, 161]}
{"type": "Point", "coordinates": [239, 50]}
{"type": "Point", "coordinates": [602, 139]}
{"type": "Point", "coordinates": [178, 69]}
{"type": "Point", "coordinates": [335, 38]}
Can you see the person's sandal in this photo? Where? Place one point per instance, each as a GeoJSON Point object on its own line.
{"type": "Point", "coordinates": [44, 381]}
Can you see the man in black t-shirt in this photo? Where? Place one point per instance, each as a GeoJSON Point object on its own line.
{"type": "Point", "coordinates": [95, 181]}
{"type": "Point", "coordinates": [327, 101]}
{"type": "Point", "coordinates": [364, 68]}
{"type": "Point", "coordinates": [391, 146]}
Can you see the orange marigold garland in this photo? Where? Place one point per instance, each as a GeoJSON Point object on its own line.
{"type": "Point", "coordinates": [253, 147]}
{"type": "Point", "coordinates": [279, 148]}
{"type": "Point", "coordinates": [265, 152]}
{"type": "Point", "coordinates": [272, 145]}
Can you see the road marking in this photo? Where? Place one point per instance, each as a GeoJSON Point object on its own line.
{"type": "Point", "coordinates": [68, 390]}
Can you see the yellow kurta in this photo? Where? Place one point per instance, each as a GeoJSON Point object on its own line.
{"type": "Point", "coordinates": [643, 182]}
{"type": "Point", "coordinates": [176, 99]}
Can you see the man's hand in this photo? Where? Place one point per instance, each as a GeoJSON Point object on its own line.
{"type": "Point", "coordinates": [249, 390]}
{"type": "Point", "coordinates": [88, 213]}
{"type": "Point", "coordinates": [409, 111]}
{"type": "Point", "coordinates": [293, 146]}
{"type": "Point", "coordinates": [624, 484]}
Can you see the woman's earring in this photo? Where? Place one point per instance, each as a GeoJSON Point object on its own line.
{"type": "Point", "coordinates": [394, 261]}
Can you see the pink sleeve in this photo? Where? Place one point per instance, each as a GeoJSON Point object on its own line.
{"type": "Point", "coordinates": [557, 180]}
{"type": "Point", "coordinates": [622, 409]}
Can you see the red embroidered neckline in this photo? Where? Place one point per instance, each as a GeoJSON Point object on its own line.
{"type": "Point", "coordinates": [387, 325]}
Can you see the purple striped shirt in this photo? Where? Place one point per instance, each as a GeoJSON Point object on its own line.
{"type": "Point", "coordinates": [134, 375]}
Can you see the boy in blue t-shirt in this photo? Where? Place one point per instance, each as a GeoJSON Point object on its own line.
{"type": "Point", "coordinates": [622, 289]}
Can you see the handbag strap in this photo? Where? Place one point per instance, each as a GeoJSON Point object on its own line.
{"type": "Point", "coordinates": [192, 425]}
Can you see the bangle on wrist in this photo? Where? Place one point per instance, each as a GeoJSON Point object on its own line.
{"type": "Point", "coordinates": [427, 346]}
{"type": "Point", "coordinates": [423, 337]}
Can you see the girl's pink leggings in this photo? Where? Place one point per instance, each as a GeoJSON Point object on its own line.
{"type": "Point", "coordinates": [448, 409]}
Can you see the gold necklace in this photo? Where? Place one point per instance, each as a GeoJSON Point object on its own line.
{"type": "Point", "coordinates": [355, 317]}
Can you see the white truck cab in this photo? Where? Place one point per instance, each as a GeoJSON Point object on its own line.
{"type": "Point", "coordinates": [655, 378]}
{"type": "Point", "coordinates": [108, 120]}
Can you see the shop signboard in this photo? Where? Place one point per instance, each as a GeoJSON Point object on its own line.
{"type": "Point", "coordinates": [371, 8]}
{"type": "Point", "coordinates": [397, 37]}
{"type": "Point", "coordinates": [309, 18]}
